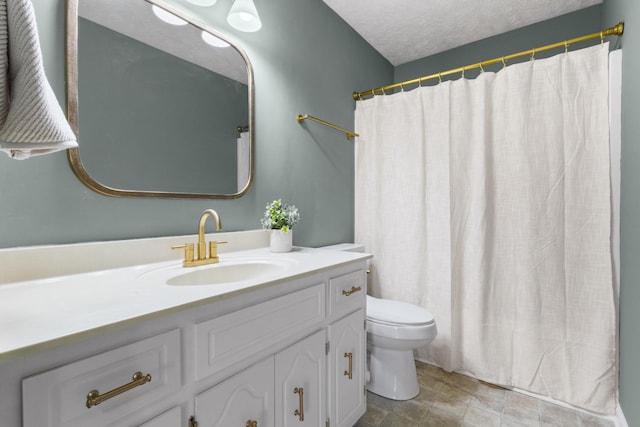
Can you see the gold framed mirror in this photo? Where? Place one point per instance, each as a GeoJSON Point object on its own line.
{"type": "Point", "coordinates": [159, 110]}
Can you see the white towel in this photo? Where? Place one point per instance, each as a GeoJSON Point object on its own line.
{"type": "Point", "coordinates": [243, 160]}
{"type": "Point", "coordinates": [31, 120]}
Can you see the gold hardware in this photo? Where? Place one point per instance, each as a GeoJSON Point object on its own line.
{"type": "Point", "coordinates": [95, 398]}
{"type": "Point", "coordinates": [188, 252]}
{"type": "Point", "coordinates": [352, 291]}
{"type": "Point", "coordinates": [349, 373]}
{"type": "Point", "coordinates": [202, 250]}
{"type": "Point", "coordinates": [368, 271]}
{"type": "Point", "coordinates": [252, 423]}
{"type": "Point", "coordinates": [193, 422]}
{"type": "Point", "coordinates": [203, 258]}
{"type": "Point", "coordinates": [302, 118]}
{"type": "Point", "coordinates": [617, 30]}
{"type": "Point", "coordinates": [300, 411]}
{"type": "Point", "coordinates": [241, 128]}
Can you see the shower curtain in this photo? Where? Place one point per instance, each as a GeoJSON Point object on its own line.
{"type": "Point", "coordinates": [487, 201]}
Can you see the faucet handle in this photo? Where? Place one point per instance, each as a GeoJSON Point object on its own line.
{"type": "Point", "coordinates": [188, 251]}
{"type": "Point", "coordinates": [213, 248]}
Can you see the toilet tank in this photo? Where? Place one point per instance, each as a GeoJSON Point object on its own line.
{"type": "Point", "coordinates": [347, 247]}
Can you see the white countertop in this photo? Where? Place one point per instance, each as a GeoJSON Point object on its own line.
{"type": "Point", "coordinates": [44, 313]}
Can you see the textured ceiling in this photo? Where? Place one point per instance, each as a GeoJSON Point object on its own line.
{"type": "Point", "coordinates": [406, 30]}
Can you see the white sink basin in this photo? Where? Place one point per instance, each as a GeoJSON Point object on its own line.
{"type": "Point", "coordinates": [225, 273]}
{"type": "Point", "coordinates": [228, 270]}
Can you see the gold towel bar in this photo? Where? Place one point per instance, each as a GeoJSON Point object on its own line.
{"type": "Point", "coordinates": [304, 117]}
{"type": "Point", "coordinates": [613, 31]}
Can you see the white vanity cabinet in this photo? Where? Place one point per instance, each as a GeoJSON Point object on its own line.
{"type": "Point", "coordinates": [288, 354]}
{"type": "Point", "coordinates": [347, 348]}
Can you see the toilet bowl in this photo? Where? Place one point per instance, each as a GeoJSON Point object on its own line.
{"type": "Point", "coordinates": [394, 330]}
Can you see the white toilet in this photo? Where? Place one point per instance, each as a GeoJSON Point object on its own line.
{"type": "Point", "coordinates": [394, 330]}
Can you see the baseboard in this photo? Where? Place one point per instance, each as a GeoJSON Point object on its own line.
{"type": "Point", "coordinates": [621, 421]}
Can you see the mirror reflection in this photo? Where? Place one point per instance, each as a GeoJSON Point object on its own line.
{"type": "Point", "coordinates": [163, 108]}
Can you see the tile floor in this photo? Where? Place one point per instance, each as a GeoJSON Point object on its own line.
{"type": "Point", "coordinates": [454, 400]}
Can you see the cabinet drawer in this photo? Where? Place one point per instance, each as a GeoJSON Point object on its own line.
{"type": "Point", "coordinates": [347, 293]}
{"type": "Point", "coordinates": [225, 340]}
{"type": "Point", "coordinates": [59, 397]}
{"type": "Point", "coordinates": [170, 418]}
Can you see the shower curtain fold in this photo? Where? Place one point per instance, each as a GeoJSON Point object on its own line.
{"type": "Point", "coordinates": [487, 202]}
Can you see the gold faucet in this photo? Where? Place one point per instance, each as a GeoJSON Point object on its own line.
{"type": "Point", "coordinates": [203, 259]}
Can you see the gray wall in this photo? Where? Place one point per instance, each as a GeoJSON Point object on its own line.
{"type": "Point", "coordinates": [629, 12]}
{"type": "Point", "coordinates": [305, 59]}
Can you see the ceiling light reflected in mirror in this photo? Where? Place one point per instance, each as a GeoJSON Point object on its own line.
{"type": "Point", "coordinates": [212, 40]}
{"type": "Point", "coordinates": [167, 17]}
{"type": "Point", "coordinates": [243, 16]}
{"type": "Point", "coordinates": [204, 3]}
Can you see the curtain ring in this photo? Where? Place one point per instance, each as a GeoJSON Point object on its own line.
{"type": "Point", "coordinates": [463, 72]}
{"type": "Point", "coordinates": [601, 38]}
{"type": "Point", "coordinates": [504, 63]}
{"type": "Point", "coordinates": [481, 68]}
{"type": "Point", "coordinates": [420, 82]}
{"type": "Point", "coordinates": [566, 47]}
{"type": "Point", "coordinates": [401, 86]}
{"type": "Point", "coordinates": [533, 55]}
{"type": "Point", "coordinates": [439, 78]}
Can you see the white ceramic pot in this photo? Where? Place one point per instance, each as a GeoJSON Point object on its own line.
{"type": "Point", "coordinates": [281, 241]}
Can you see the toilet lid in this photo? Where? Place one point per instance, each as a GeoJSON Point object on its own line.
{"type": "Point", "coordinates": [389, 311]}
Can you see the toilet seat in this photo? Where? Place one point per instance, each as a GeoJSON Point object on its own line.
{"type": "Point", "coordinates": [389, 312]}
{"type": "Point", "coordinates": [399, 320]}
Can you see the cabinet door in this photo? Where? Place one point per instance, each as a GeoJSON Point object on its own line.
{"type": "Point", "coordinates": [301, 383]}
{"type": "Point", "coordinates": [347, 367]}
{"type": "Point", "coordinates": [244, 399]}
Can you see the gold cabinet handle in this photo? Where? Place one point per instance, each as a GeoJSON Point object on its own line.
{"type": "Point", "coordinates": [300, 411]}
{"type": "Point", "coordinates": [252, 423]}
{"type": "Point", "coordinates": [352, 291]}
{"type": "Point", "coordinates": [349, 373]}
{"type": "Point", "coordinates": [95, 398]}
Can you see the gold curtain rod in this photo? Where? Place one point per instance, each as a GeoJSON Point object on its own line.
{"type": "Point", "coordinates": [304, 117]}
{"type": "Point", "coordinates": [613, 31]}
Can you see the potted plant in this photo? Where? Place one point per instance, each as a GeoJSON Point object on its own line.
{"type": "Point", "coordinates": [280, 218]}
